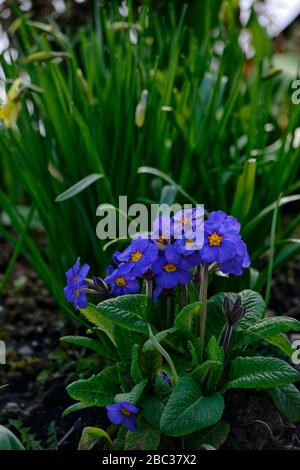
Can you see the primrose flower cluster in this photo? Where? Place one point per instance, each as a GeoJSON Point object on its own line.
{"type": "Point", "coordinates": [165, 260]}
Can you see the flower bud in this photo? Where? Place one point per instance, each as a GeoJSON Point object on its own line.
{"type": "Point", "coordinates": [233, 312]}
{"type": "Point", "coordinates": [101, 287]}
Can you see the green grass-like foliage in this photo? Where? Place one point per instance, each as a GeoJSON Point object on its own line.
{"type": "Point", "coordinates": [213, 130]}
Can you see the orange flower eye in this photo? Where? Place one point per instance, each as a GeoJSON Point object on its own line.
{"type": "Point", "coordinates": [215, 239]}
{"type": "Point", "coordinates": [120, 281]}
{"type": "Point", "coordinates": [185, 221]}
{"type": "Point", "coordinates": [135, 257]}
{"type": "Point", "coordinates": [170, 268]}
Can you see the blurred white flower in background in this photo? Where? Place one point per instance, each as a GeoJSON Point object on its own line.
{"type": "Point", "coordinates": [275, 15]}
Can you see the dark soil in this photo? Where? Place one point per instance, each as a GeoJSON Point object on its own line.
{"type": "Point", "coordinates": [39, 368]}
{"type": "Point", "coordinates": [255, 424]}
{"type": "Point", "coordinates": [286, 290]}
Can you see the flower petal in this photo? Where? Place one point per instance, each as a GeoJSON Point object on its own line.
{"type": "Point", "coordinates": [130, 423]}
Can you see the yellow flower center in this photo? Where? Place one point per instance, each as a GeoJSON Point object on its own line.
{"type": "Point", "coordinates": [75, 278]}
{"type": "Point", "coordinates": [77, 293]}
{"type": "Point", "coordinates": [215, 239]}
{"type": "Point", "coordinates": [185, 221]}
{"type": "Point", "coordinates": [161, 239]}
{"type": "Point", "coordinates": [125, 412]}
{"type": "Point", "coordinates": [135, 257]}
{"type": "Point", "coordinates": [170, 267]}
{"type": "Point", "coordinates": [120, 281]}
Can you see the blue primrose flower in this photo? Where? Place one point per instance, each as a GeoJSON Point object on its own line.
{"type": "Point", "coordinates": [170, 270]}
{"type": "Point", "coordinates": [75, 289]}
{"type": "Point", "coordinates": [163, 229]}
{"type": "Point", "coordinates": [188, 223]}
{"type": "Point", "coordinates": [223, 244]}
{"type": "Point", "coordinates": [123, 413]}
{"type": "Point", "coordinates": [138, 256]}
{"type": "Point", "coordinates": [122, 282]}
{"type": "Point", "coordinates": [237, 264]}
{"type": "Point", "coordinates": [189, 250]}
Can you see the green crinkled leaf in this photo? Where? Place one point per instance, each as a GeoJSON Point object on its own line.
{"type": "Point", "coordinates": [150, 363]}
{"type": "Point", "coordinates": [282, 343]}
{"type": "Point", "coordinates": [125, 339]}
{"type": "Point", "coordinates": [8, 441]}
{"type": "Point", "coordinates": [82, 341]}
{"type": "Point", "coordinates": [214, 351]}
{"type": "Point", "coordinates": [274, 325]}
{"type": "Point", "coordinates": [163, 335]}
{"type": "Point", "coordinates": [195, 354]}
{"type": "Point", "coordinates": [119, 442]}
{"type": "Point", "coordinates": [188, 411]}
{"type": "Point", "coordinates": [200, 373]}
{"type": "Point", "coordinates": [74, 408]}
{"type": "Point", "coordinates": [90, 436]}
{"type": "Point", "coordinates": [208, 375]}
{"type": "Point", "coordinates": [130, 311]}
{"type": "Point", "coordinates": [162, 388]}
{"type": "Point", "coordinates": [180, 364]}
{"type": "Point", "coordinates": [268, 327]}
{"type": "Point", "coordinates": [135, 370]}
{"type": "Point", "coordinates": [260, 372]}
{"type": "Point", "coordinates": [185, 317]}
{"type": "Point", "coordinates": [254, 305]}
{"type": "Point", "coordinates": [164, 354]}
{"type": "Point", "coordinates": [216, 320]}
{"type": "Point", "coordinates": [214, 436]}
{"type": "Point", "coordinates": [143, 438]}
{"type": "Point", "coordinates": [287, 400]}
{"type": "Point", "coordinates": [99, 390]}
{"type": "Point", "coordinates": [92, 344]}
{"type": "Point", "coordinates": [134, 395]}
{"type": "Point", "coordinates": [100, 321]}
{"type": "Point", "coordinates": [152, 410]}
{"type": "Point", "coordinates": [192, 292]}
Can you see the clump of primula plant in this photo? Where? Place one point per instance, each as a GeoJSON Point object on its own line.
{"type": "Point", "coordinates": [170, 352]}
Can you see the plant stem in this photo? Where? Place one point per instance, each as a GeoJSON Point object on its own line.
{"type": "Point", "coordinates": [197, 277]}
{"type": "Point", "coordinates": [149, 284]}
{"type": "Point", "coordinates": [185, 296]}
{"type": "Point", "coordinates": [169, 306]}
{"type": "Point", "coordinates": [227, 338]}
{"type": "Point", "coordinates": [203, 300]}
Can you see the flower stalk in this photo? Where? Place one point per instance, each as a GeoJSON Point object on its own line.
{"type": "Point", "coordinates": [234, 312]}
{"type": "Point", "coordinates": [149, 283]}
{"type": "Point", "coordinates": [169, 309]}
{"type": "Point", "coordinates": [203, 300]}
{"type": "Point", "coordinates": [185, 295]}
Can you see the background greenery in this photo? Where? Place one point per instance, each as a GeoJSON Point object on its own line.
{"type": "Point", "coordinates": [218, 129]}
